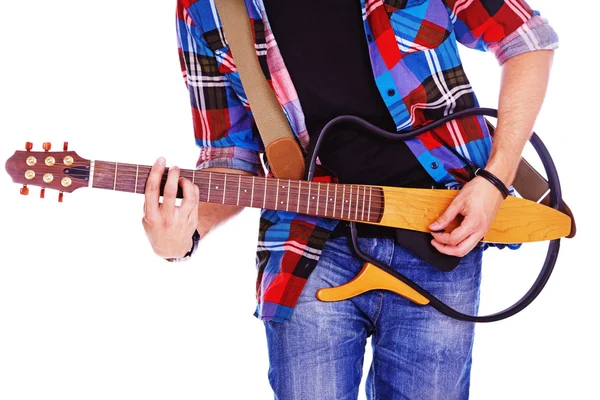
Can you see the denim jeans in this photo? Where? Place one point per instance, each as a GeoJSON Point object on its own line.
{"type": "Point", "coordinates": [418, 353]}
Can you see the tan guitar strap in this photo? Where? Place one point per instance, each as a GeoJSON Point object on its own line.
{"type": "Point", "coordinates": [284, 155]}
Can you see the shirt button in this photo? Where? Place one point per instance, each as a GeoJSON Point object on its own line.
{"type": "Point", "coordinates": [391, 92]}
{"type": "Point", "coordinates": [434, 165]}
{"type": "Point", "coordinates": [369, 38]}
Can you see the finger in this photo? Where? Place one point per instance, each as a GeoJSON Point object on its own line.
{"type": "Point", "coordinates": [461, 249]}
{"type": "Point", "coordinates": [170, 191]}
{"type": "Point", "coordinates": [152, 191]}
{"type": "Point", "coordinates": [447, 216]}
{"type": "Point", "coordinates": [467, 227]}
{"type": "Point", "coordinates": [190, 196]}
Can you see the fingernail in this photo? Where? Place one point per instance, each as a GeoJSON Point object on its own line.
{"type": "Point", "coordinates": [160, 161]}
{"type": "Point", "coordinates": [434, 226]}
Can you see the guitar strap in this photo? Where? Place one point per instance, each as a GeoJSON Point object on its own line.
{"type": "Point", "coordinates": [284, 155]}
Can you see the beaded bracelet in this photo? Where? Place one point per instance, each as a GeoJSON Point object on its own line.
{"type": "Point", "coordinates": [494, 180]}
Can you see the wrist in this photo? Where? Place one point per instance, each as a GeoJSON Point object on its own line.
{"type": "Point", "coordinates": [191, 251]}
{"type": "Point", "coordinates": [494, 180]}
{"type": "Point", "coordinates": [503, 171]}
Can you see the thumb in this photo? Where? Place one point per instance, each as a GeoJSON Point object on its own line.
{"type": "Point", "coordinates": [447, 216]}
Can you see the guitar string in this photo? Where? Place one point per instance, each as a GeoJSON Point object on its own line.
{"type": "Point", "coordinates": [271, 191]}
{"type": "Point", "coordinates": [202, 177]}
{"type": "Point", "coordinates": [377, 197]}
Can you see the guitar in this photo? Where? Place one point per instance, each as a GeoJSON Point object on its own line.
{"type": "Point", "coordinates": [518, 220]}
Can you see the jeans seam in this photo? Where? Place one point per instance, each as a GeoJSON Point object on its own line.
{"type": "Point", "coordinates": [382, 292]}
{"type": "Point", "coordinates": [373, 386]}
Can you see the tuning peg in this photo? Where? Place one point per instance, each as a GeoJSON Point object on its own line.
{"type": "Point", "coordinates": [28, 146]}
{"type": "Point", "coordinates": [60, 197]}
{"type": "Point", "coordinates": [24, 190]}
{"type": "Point", "coordinates": [66, 146]}
{"type": "Point", "coordinates": [47, 146]}
{"type": "Point", "coordinates": [42, 193]}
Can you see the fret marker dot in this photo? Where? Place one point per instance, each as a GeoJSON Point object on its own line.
{"type": "Point", "coordinates": [330, 199]}
{"type": "Point", "coordinates": [216, 187]}
{"type": "Point", "coordinates": [313, 197]}
{"type": "Point", "coordinates": [245, 191]}
{"type": "Point", "coordinates": [346, 201]}
{"type": "Point", "coordinates": [282, 202]}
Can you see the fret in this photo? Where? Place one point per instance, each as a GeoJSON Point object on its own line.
{"type": "Point", "coordinates": [115, 182]}
{"type": "Point", "coordinates": [209, 185]}
{"type": "Point", "coordinates": [137, 174]}
{"type": "Point", "coordinates": [350, 204]}
{"type": "Point", "coordinates": [194, 176]}
{"type": "Point", "coordinates": [287, 206]}
{"type": "Point", "coordinates": [239, 187]}
{"type": "Point", "coordinates": [224, 187]}
{"type": "Point", "coordinates": [357, 203]}
{"type": "Point", "coordinates": [327, 199]}
{"type": "Point", "coordinates": [299, 191]}
{"type": "Point", "coordinates": [308, 198]}
{"type": "Point", "coordinates": [362, 217]}
{"type": "Point", "coordinates": [335, 200]}
{"type": "Point", "coordinates": [92, 172]}
{"type": "Point", "coordinates": [318, 197]}
{"type": "Point", "coordinates": [370, 198]}
{"type": "Point", "coordinates": [252, 194]}
{"type": "Point", "coordinates": [343, 199]}
{"type": "Point", "coordinates": [277, 195]}
{"type": "Point", "coordinates": [265, 194]}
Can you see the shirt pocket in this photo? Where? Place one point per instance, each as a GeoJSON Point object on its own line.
{"type": "Point", "coordinates": [216, 42]}
{"type": "Point", "coordinates": [419, 25]}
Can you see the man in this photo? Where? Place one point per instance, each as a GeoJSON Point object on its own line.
{"type": "Point", "coordinates": [395, 64]}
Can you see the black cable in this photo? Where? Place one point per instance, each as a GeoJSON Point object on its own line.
{"type": "Point", "coordinates": [555, 202]}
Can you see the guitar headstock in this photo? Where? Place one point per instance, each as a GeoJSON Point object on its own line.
{"type": "Point", "coordinates": [63, 170]}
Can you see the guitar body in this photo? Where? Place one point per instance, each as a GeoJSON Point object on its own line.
{"type": "Point", "coordinates": [518, 220]}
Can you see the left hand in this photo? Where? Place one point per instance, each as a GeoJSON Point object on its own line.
{"type": "Point", "coordinates": [478, 202]}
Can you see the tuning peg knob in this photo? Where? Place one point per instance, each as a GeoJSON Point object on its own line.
{"type": "Point", "coordinates": [60, 197]}
{"type": "Point", "coordinates": [28, 146]}
{"type": "Point", "coordinates": [42, 193]}
{"type": "Point", "coordinates": [24, 190]}
{"type": "Point", "coordinates": [47, 146]}
{"type": "Point", "coordinates": [66, 146]}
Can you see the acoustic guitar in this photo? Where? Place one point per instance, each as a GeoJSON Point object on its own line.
{"type": "Point", "coordinates": [518, 220]}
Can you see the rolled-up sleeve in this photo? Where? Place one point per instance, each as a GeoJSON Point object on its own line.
{"type": "Point", "coordinates": [506, 28]}
{"type": "Point", "coordinates": [223, 126]}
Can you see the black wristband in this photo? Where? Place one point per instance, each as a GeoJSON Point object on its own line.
{"type": "Point", "coordinates": [494, 180]}
{"type": "Point", "coordinates": [188, 255]}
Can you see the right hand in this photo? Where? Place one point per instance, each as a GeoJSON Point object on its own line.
{"type": "Point", "coordinates": [169, 227]}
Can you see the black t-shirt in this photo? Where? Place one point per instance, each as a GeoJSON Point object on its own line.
{"type": "Point", "coordinates": [324, 48]}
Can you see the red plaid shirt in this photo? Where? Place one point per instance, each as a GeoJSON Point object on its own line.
{"type": "Point", "coordinates": [417, 68]}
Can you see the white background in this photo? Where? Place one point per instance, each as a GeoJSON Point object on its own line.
{"type": "Point", "coordinates": [88, 312]}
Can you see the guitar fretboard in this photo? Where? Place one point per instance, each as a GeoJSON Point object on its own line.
{"type": "Point", "coordinates": [332, 200]}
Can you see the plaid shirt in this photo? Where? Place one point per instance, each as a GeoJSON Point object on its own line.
{"type": "Point", "coordinates": [417, 69]}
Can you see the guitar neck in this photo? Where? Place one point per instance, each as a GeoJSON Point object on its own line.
{"type": "Point", "coordinates": [363, 203]}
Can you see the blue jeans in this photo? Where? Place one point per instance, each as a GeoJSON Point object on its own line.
{"type": "Point", "coordinates": [418, 353]}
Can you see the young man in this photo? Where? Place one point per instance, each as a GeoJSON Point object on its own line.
{"type": "Point", "coordinates": [395, 64]}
